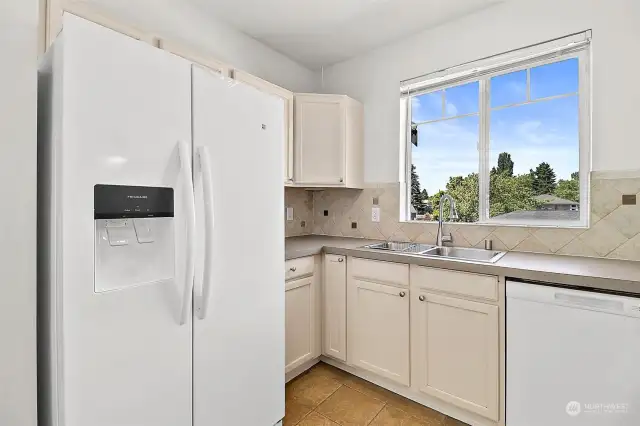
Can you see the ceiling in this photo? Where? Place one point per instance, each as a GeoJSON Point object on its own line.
{"type": "Point", "coordinates": [314, 33]}
{"type": "Point", "coordinates": [323, 32]}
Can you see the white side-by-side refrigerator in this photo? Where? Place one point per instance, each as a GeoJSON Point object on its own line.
{"type": "Point", "coordinates": [161, 239]}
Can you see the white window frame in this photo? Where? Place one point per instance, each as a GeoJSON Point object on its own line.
{"type": "Point", "coordinates": [484, 112]}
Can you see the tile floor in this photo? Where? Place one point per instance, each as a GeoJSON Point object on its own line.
{"type": "Point", "coordinates": [327, 396]}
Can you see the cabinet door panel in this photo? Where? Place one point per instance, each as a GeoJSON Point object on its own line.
{"type": "Point", "coordinates": [335, 307]}
{"type": "Point", "coordinates": [456, 352]}
{"type": "Point", "coordinates": [379, 329]}
{"type": "Point", "coordinates": [299, 322]}
{"type": "Point", "coordinates": [320, 140]}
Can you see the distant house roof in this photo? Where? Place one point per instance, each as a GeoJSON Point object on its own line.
{"type": "Point", "coordinates": [542, 214]}
{"type": "Point", "coordinates": [552, 199]}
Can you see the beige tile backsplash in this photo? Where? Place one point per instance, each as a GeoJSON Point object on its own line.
{"type": "Point", "coordinates": [614, 231]}
{"type": "Point", "coordinates": [302, 203]}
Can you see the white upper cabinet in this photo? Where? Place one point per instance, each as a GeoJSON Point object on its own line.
{"type": "Point", "coordinates": [328, 145]}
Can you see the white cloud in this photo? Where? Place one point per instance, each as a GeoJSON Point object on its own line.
{"type": "Point", "coordinates": [451, 109]}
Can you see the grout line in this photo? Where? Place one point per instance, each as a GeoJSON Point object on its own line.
{"type": "Point", "coordinates": [378, 413]}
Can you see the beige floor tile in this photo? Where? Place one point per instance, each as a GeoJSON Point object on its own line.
{"type": "Point", "coordinates": [331, 372]}
{"type": "Point", "coordinates": [294, 412]}
{"type": "Point", "coordinates": [348, 407]}
{"type": "Point", "coordinates": [424, 414]}
{"type": "Point", "coordinates": [390, 416]}
{"type": "Point", "coordinates": [315, 419]}
{"type": "Point", "coordinates": [311, 388]}
{"type": "Point", "coordinates": [450, 421]}
{"type": "Point", "coordinates": [368, 388]}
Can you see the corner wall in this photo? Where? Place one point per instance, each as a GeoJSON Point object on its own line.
{"type": "Point", "coordinates": [374, 78]}
{"type": "Point", "coordinates": [18, 80]}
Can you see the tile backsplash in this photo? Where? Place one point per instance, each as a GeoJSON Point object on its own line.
{"type": "Point", "coordinates": [302, 203]}
{"type": "Point", "coordinates": [614, 231]}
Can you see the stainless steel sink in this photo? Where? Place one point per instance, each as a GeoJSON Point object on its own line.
{"type": "Point", "coordinates": [470, 254]}
{"type": "Point", "coordinates": [400, 247]}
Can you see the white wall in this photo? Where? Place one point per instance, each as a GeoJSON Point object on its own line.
{"type": "Point", "coordinates": [180, 21]}
{"type": "Point", "coordinates": [18, 47]}
{"type": "Point", "coordinates": [374, 78]}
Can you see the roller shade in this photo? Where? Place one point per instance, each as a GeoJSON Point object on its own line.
{"type": "Point", "coordinates": [495, 64]}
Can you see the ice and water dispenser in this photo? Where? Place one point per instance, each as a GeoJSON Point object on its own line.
{"type": "Point", "coordinates": [134, 236]}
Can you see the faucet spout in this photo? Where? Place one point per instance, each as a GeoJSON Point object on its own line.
{"type": "Point", "coordinates": [453, 215]}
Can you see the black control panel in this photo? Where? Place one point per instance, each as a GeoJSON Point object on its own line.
{"type": "Point", "coordinates": [124, 202]}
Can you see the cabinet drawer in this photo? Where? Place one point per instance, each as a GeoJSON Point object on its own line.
{"type": "Point", "coordinates": [455, 282]}
{"type": "Point", "coordinates": [382, 272]}
{"type": "Point", "coordinates": [296, 268]}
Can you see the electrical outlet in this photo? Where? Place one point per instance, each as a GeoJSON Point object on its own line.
{"type": "Point", "coordinates": [375, 214]}
{"type": "Point", "coordinates": [289, 214]}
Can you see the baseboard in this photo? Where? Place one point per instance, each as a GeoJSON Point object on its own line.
{"type": "Point", "coordinates": [300, 369]}
{"type": "Point", "coordinates": [433, 403]}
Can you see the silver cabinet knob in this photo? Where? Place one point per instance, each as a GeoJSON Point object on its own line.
{"type": "Point", "coordinates": [403, 294]}
{"type": "Point", "coordinates": [422, 298]}
{"type": "Point", "coordinates": [292, 269]}
{"type": "Point", "coordinates": [341, 260]}
{"type": "Point", "coordinates": [341, 180]}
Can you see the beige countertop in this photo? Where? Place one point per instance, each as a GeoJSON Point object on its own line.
{"type": "Point", "coordinates": [585, 272]}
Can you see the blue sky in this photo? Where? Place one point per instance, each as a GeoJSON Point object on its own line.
{"type": "Point", "coordinates": [531, 133]}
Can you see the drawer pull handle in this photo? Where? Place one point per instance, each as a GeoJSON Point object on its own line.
{"type": "Point", "coordinates": [403, 294]}
{"type": "Point", "coordinates": [292, 269]}
{"type": "Point", "coordinates": [422, 298]}
{"type": "Point", "coordinates": [341, 260]}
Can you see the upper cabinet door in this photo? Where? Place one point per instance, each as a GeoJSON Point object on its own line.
{"type": "Point", "coordinates": [320, 139]}
{"type": "Point", "coordinates": [456, 351]}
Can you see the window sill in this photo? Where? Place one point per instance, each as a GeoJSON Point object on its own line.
{"type": "Point", "coordinates": [546, 224]}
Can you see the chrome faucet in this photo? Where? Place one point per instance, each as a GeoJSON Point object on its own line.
{"type": "Point", "coordinates": [453, 215]}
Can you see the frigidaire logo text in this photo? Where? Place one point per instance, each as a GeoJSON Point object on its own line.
{"type": "Point", "coordinates": [137, 196]}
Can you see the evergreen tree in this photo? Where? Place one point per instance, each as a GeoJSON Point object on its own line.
{"type": "Point", "coordinates": [544, 179]}
{"type": "Point", "coordinates": [416, 197]}
{"type": "Point", "coordinates": [426, 204]}
{"type": "Point", "coordinates": [575, 176]}
{"type": "Point", "coordinates": [505, 164]}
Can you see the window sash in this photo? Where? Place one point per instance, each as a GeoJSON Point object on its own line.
{"type": "Point", "coordinates": [484, 148]}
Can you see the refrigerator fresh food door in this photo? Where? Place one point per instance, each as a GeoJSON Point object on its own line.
{"type": "Point", "coordinates": [239, 327]}
{"type": "Point", "coordinates": [125, 148]}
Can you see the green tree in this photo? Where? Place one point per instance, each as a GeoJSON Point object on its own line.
{"type": "Point", "coordinates": [510, 193]}
{"type": "Point", "coordinates": [426, 204]}
{"type": "Point", "coordinates": [543, 179]}
{"type": "Point", "coordinates": [435, 203]}
{"type": "Point", "coordinates": [465, 191]}
{"type": "Point", "coordinates": [569, 189]}
{"type": "Point", "coordinates": [505, 164]}
{"type": "Point", "coordinates": [416, 198]}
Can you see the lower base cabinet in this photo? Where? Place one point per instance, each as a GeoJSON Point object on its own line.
{"type": "Point", "coordinates": [456, 351]}
{"type": "Point", "coordinates": [299, 322]}
{"type": "Point", "coordinates": [378, 329]}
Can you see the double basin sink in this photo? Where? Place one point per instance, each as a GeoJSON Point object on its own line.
{"type": "Point", "coordinates": [450, 253]}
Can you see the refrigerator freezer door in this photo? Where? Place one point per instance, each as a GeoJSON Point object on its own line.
{"type": "Point", "coordinates": [126, 360]}
{"type": "Point", "coordinates": [239, 343]}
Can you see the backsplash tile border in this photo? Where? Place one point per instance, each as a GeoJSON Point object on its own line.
{"type": "Point", "coordinates": [614, 231]}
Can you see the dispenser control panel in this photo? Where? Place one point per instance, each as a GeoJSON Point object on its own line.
{"type": "Point", "coordinates": [132, 202]}
{"type": "Point", "coordinates": [134, 236]}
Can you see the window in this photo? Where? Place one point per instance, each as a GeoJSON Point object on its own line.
{"type": "Point", "coordinates": [509, 141]}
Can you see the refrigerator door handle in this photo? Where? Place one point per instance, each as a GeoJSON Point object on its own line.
{"type": "Point", "coordinates": [202, 302]}
{"type": "Point", "coordinates": [190, 213]}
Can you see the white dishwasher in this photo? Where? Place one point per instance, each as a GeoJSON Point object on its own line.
{"type": "Point", "coordinates": [573, 357]}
